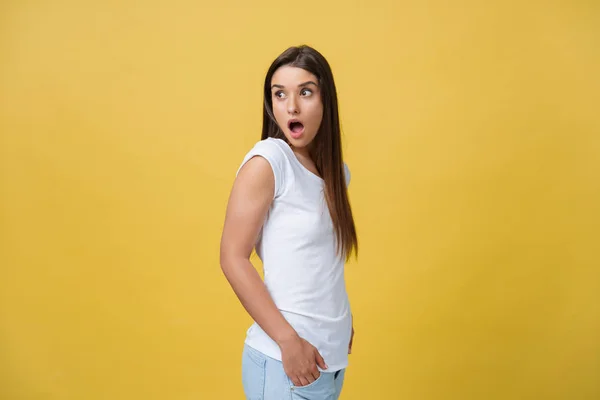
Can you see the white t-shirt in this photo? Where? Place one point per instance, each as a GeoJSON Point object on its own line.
{"type": "Point", "coordinates": [303, 273]}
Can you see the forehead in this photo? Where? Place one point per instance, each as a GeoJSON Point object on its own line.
{"type": "Point", "coordinates": [292, 76]}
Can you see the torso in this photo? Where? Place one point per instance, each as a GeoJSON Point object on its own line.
{"type": "Point", "coordinates": [303, 272]}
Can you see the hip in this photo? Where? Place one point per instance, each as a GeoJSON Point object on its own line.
{"type": "Point", "coordinates": [264, 378]}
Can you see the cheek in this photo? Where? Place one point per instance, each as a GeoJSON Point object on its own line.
{"type": "Point", "coordinates": [279, 107]}
{"type": "Point", "coordinates": [316, 114]}
{"type": "Point", "coordinates": [279, 111]}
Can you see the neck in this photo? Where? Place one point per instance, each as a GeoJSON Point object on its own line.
{"type": "Point", "coordinates": [303, 152]}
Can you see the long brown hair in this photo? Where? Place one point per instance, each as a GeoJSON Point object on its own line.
{"type": "Point", "coordinates": [326, 150]}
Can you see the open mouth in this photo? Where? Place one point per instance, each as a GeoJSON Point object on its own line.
{"type": "Point", "coordinates": [296, 126]}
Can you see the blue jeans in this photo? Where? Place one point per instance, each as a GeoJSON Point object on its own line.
{"type": "Point", "coordinates": [263, 378]}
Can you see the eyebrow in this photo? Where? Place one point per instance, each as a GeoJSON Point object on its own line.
{"type": "Point", "coordinates": [300, 85]}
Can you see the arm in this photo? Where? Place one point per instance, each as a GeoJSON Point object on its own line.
{"type": "Point", "coordinates": [351, 337]}
{"type": "Point", "coordinates": [249, 202]}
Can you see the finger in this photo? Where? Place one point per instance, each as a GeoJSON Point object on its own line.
{"type": "Point", "coordinates": [320, 361]}
{"type": "Point", "coordinates": [310, 377]}
{"type": "Point", "coordinates": [303, 381]}
{"type": "Point", "coordinates": [296, 381]}
{"type": "Point", "coordinates": [315, 374]}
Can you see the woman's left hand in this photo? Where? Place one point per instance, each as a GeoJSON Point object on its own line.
{"type": "Point", "coordinates": [351, 339]}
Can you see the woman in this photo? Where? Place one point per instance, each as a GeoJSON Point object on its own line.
{"type": "Point", "coordinates": [290, 202]}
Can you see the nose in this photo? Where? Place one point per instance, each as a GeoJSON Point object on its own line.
{"type": "Point", "coordinates": [293, 105]}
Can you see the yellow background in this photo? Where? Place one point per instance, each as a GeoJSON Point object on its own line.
{"type": "Point", "coordinates": [472, 135]}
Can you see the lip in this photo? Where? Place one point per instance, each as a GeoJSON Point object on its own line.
{"type": "Point", "coordinates": [291, 121]}
{"type": "Point", "coordinates": [295, 135]}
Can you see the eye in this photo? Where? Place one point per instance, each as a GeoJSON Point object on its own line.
{"type": "Point", "coordinates": [279, 94]}
{"type": "Point", "coordinates": [305, 92]}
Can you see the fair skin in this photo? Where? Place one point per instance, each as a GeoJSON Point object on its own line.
{"type": "Point", "coordinates": [298, 111]}
{"type": "Point", "coordinates": [296, 97]}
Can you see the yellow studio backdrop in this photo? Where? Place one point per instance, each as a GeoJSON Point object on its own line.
{"type": "Point", "coordinates": [472, 133]}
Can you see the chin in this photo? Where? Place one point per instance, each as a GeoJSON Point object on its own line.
{"type": "Point", "coordinates": [302, 141]}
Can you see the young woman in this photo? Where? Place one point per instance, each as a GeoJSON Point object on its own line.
{"type": "Point", "coordinates": [290, 202]}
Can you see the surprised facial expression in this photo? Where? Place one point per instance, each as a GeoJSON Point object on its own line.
{"type": "Point", "coordinates": [297, 104]}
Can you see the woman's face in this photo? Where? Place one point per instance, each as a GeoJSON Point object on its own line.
{"type": "Point", "coordinates": [297, 104]}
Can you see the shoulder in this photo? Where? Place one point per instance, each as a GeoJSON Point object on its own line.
{"type": "Point", "coordinates": [272, 151]}
{"type": "Point", "coordinates": [271, 146]}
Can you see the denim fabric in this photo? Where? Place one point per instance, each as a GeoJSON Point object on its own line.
{"type": "Point", "coordinates": [263, 378]}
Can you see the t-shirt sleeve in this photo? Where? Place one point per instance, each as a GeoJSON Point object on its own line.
{"type": "Point", "coordinates": [347, 174]}
{"type": "Point", "coordinates": [273, 154]}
